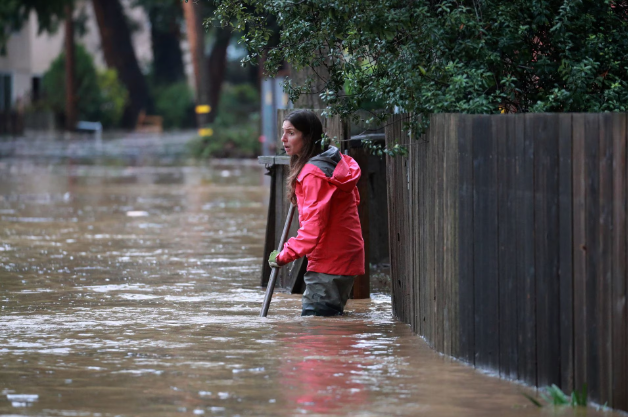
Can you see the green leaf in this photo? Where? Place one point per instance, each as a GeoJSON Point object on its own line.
{"type": "Point", "coordinates": [533, 400]}
{"type": "Point", "coordinates": [464, 54]}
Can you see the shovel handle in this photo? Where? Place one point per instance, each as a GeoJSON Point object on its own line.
{"type": "Point", "coordinates": [273, 275]}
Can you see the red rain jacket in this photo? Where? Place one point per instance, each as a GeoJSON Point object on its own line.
{"type": "Point", "coordinates": [329, 233]}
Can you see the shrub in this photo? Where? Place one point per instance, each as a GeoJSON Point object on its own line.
{"type": "Point", "coordinates": [101, 96]}
{"type": "Point", "coordinates": [175, 103]}
{"type": "Point", "coordinates": [114, 96]}
{"type": "Point", "coordinates": [229, 140]}
{"type": "Point", "coordinates": [236, 128]}
{"type": "Point", "coordinates": [237, 102]}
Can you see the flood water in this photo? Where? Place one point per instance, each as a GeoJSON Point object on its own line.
{"type": "Point", "coordinates": [133, 291]}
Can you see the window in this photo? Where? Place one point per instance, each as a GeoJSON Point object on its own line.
{"type": "Point", "coordinates": [36, 89]}
{"type": "Point", "coordinates": [6, 91]}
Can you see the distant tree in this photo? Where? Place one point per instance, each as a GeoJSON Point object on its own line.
{"type": "Point", "coordinates": [70, 70]}
{"type": "Point", "coordinates": [120, 55]}
{"type": "Point", "coordinates": [166, 18]}
{"type": "Point", "coordinates": [13, 14]}
{"type": "Point", "coordinates": [209, 70]}
{"type": "Point", "coordinates": [193, 13]}
{"type": "Point", "coordinates": [89, 100]}
{"type": "Point", "coordinates": [430, 56]}
{"type": "Point", "coordinates": [99, 95]}
{"type": "Point", "coordinates": [217, 62]}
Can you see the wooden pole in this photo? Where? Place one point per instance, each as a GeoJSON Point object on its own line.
{"type": "Point", "coordinates": [354, 148]}
{"type": "Point", "coordinates": [362, 284]}
{"type": "Point", "coordinates": [70, 71]}
{"type": "Point", "coordinates": [269, 241]}
{"type": "Point", "coordinates": [273, 275]}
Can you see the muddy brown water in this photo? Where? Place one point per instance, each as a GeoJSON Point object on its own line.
{"type": "Point", "coordinates": [133, 291]}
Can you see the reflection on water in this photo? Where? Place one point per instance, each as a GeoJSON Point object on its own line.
{"type": "Point", "coordinates": [132, 291]}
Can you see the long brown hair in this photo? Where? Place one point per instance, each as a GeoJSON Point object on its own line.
{"type": "Point", "coordinates": [311, 129]}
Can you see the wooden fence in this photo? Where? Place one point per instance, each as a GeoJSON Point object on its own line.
{"type": "Point", "coordinates": [508, 245]}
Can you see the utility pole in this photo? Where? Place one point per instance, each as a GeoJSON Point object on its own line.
{"type": "Point", "coordinates": [70, 71]}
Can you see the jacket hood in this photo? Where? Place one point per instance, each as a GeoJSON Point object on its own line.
{"type": "Point", "coordinates": [340, 170]}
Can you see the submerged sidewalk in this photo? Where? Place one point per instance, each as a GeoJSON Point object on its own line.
{"type": "Point", "coordinates": [85, 145]}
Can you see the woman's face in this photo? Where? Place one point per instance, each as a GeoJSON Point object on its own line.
{"type": "Point", "coordinates": [292, 139]}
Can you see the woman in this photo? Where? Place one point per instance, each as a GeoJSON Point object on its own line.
{"type": "Point", "coordinates": [322, 182]}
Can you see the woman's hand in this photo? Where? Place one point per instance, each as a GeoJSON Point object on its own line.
{"type": "Point", "coordinates": [272, 259]}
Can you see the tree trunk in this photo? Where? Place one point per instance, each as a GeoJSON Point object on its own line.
{"type": "Point", "coordinates": [70, 71]}
{"type": "Point", "coordinates": [196, 37]}
{"type": "Point", "coordinates": [120, 55]}
{"type": "Point", "coordinates": [217, 63]}
{"type": "Point", "coordinates": [165, 37]}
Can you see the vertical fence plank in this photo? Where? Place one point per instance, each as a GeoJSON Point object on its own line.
{"type": "Point", "coordinates": [431, 283]}
{"type": "Point", "coordinates": [411, 221]}
{"type": "Point", "coordinates": [440, 276]}
{"type": "Point", "coordinates": [605, 253]}
{"type": "Point", "coordinates": [433, 144]}
{"type": "Point", "coordinates": [401, 183]}
{"type": "Point", "coordinates": [423, 237]}
{"type": "Point", "coordinates": [504, 129]}
{"type": "Point", "coordinates": [403, 259]}
{"type": "Point", "coordinates": [428, 288]}
{"type": "Point", "coordinates": [525, 224]}
{"type": "Point", "coordinates": [579, 247]}
{"type": "Point", "coordinates": [416, 213]}
{"type": "Point", "coordinates": [565, 247]}
{"type": "Point", "coordinates": [409, 239]}
{"type": "Point", "coordinates": [466, 239]}
{"type": "Point", "coordinates": [450, 263]}
{"type": "Point", "coordinates": [454, 182]}
{"type": "Point", "coordinates": [523, 220]}
{"type": "Point", "coordinates": [416, 232]}
{"type": "Point", "coordinates": [620, 254]}
{"type": "Point", "coordinates": [545, 132]}
{"type": "Point", "coordinates": [437, 144]}
{"type": "Point", "coordinates": [392, 213]}
{"type": "Point", "coordinates": [409, 229]}
{"type": "Point", "coordinates": [428, 296]}
{"type": "Point", "coordinates": [485, 251]}
{"type": "Point", "coordinates": [592, 207]}
{"type": "Point", "coordinates": [419, 177]}
{"type": "Point", "coordinates": [397, 213]}
{"type": "Point", "coordinates": [424, 297]}
{"type": "Point", "coordinates": [446, 239]}
{"type": "Point", "coordinates": [403, 267]}
{"type": "Point", "coordinates": [405, 241]}
{"type": "Point", "coordinates": [391, 136]}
